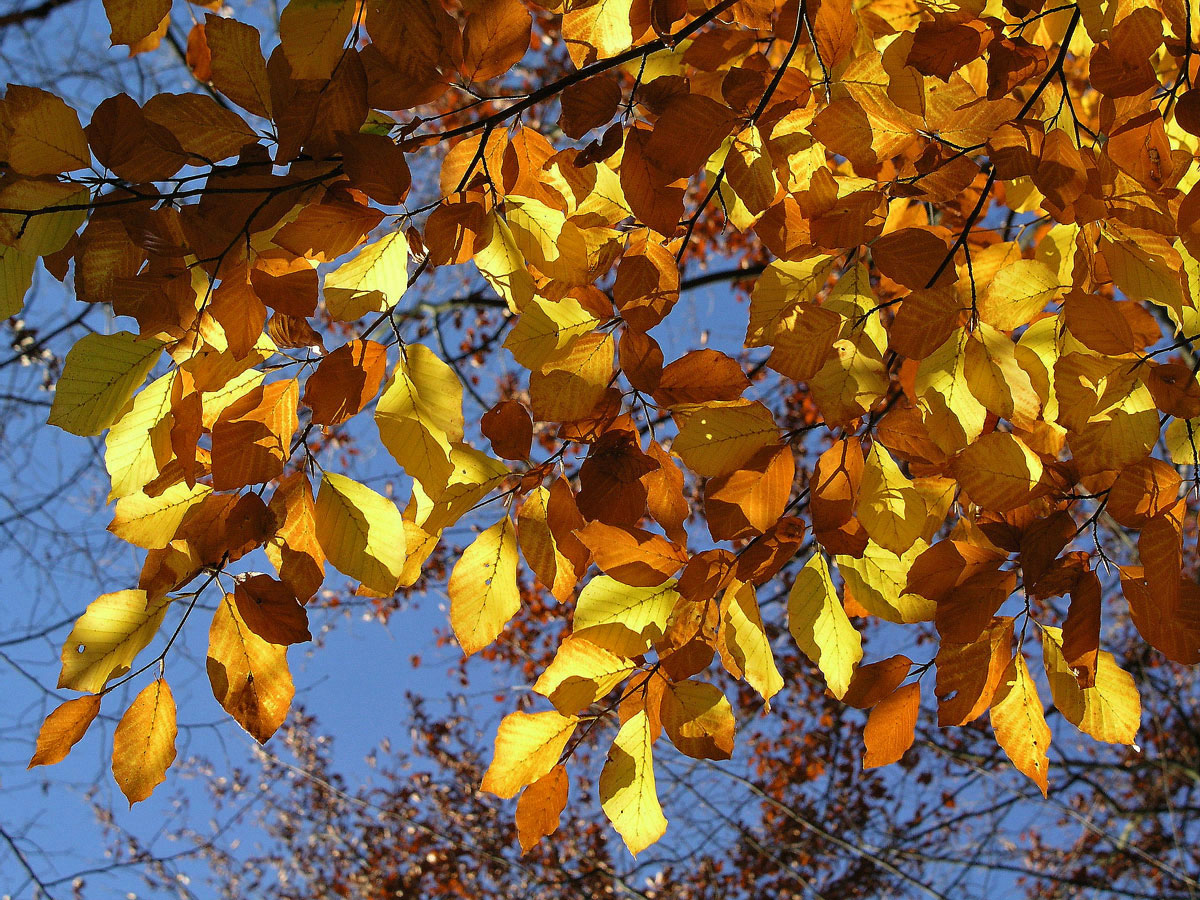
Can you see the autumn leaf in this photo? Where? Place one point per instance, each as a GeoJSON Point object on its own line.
{"type": "Point", "coordinates": [483, 587]}
{"type": "Point", "coordinates": [627, 790]}
{"type": "Point", "coordinates": [144, 742]}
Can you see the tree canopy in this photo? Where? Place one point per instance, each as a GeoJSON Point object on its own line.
{"type": "Point", "coordinates": [948, 419]}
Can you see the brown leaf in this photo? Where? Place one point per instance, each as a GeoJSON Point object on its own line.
{"type": "Point", "coordinates": [271, 610]}
{"type": "Point", "coordinates": [345, 381]}
{"type": "Point", "coordinates": [890, 728]}
{"type": "Point", "coordinates": [509, 427]}
{"type": "Point", "coordinates": [700, 376]}
{"type": "Point", "coordinates": [631, 555]}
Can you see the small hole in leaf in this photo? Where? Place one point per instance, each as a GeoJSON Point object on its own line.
{"type": "Point", "coordinates": [80, 649]}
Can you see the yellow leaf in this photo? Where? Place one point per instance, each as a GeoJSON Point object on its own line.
{"type": "Point", "coordinates": [572, 385]}
{"type": "Point", "coordinates": [1016, 293]}
{"type": "Point", "coordinates": [151, 522]}
{"type": "Point", "coordinates": [557, 248]}
{"type": "Point", "coordinates": [745, 648]}
{"type": "Point", "coordinates": [877, 581]}
{"type": "Point", "coordinates": [850, 382]}
{"type": "Point", "coordinates": [580, 674]}
{"type": "Point", "coordinates": [540, 806]}
{"type": "Point", "coordinates": [1109, 711]}
{"type": "Point", "coordinates": [63, 729]}
{"type": "Point", "coordinates": [133, 20]}
{"type": "Point", "coordinates": [998, 471]}
{"type": "Point", "coordinates": [139, 443]}
{"type": "Point", "coordinates": [1020, 723]}
{"type": "Point", "coordinates": [952, 415]}
{"type": "Point", "coordinates": [44, 134]}
{"type": "Point", "coordinates": [627, 791]}
{"type": "Point", "coordinates": [49, 232]}
{"type": "Point", "coordinates": [890, 726]}
{"type": "Point", "coordinates": [249, 676]}
{"type": "Point", "coordinates": [371, 282]}
{"type": "Point", "coordinates": [541, 548]}
{"type": "Point", "coordinates": [419, 416]}
{"type": "Point", "coordinates": [598, 30]}
{"type": "Point", "coordinates": [780, 291]}
{"type": "Point", "coordinates": [1122, 435]}
{"type": "Point", "coordinates": [891, 509]}
{"type": "Point", "coordinates": [720, 437]}
{"type": "Point", "coordinates": [473, 474]}
{"type": "Point", "coordinates": [820, 626]}
{"type": "Point", "coordinates": [312, 33]}
{"type": "Point", "coordinates": [1182, 440]}
{"type": "Point", "coordinates": [528, 746]}
{"type": "Point", "coordinates": [545, 330]}
{"type": "Point", "coordinates": [217, 401]}
{"type": "Point", "coordinates": [99, 377]}
{"type": "Point", "coordinates": [623, 618]}
{"type": "Point", "coordinates": [698, 719]}
{"type": "Point", "coordinates": [361, 532]}
{"type": "Point", "coordinates": [16, 276]}
{"type": "Point", "coordinates": [238, 69]}
{"type": "Point", "coordinates": [997, 380]}
{"type": "Point", "coordinates": [144, 742]}
{"type": "Point", "coordinates": [483, 587]}
{"type": "Point", "coordinates": [105, 639]}
{"type": "Point", "coordinates": [502, 265]}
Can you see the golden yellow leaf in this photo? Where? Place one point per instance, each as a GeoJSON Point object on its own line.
{"type": "Point", "coordinates": [371, 282]}
{"type": "Point", "coordinates": [623, 619]}
{"type": "Point", "coordinates": [99, 377]}
{"type": "Point", "coordinates": [138, 444]}
{"type": "Point", "coordinates": [878, 578]}
{"type": "Point", "coordinates": [1020, 723]}
{"type": "Point", "coordinates": [106, 638]}
{"type": "Point", "coordinates": [1110, 710]}
{"type": "Point", "coordinates": [473, 474]}
{"type": "Point", "coordinates": [16, 276]}
{"type": "Point", "coordinates": [997, 379]}
{"type": "Point", "coordinates": [952, 415]}
{"type": "Point", "coordinates": [144, 742]}
{"type": "Point", "coordinates": [557, 559]}
{"type": "Point", "coordinates": [890, 507]}
{"type": "Point", "coordinates": [44, 134]}
{"type": "Point", "coordinates": [238, 69]}
{"type": "Point", "coordinates": [1016, 293]}
{"type": "Point", "coordinates": [820, 626]}
{"type": "Point", "coordinates": [698, 719]}
{"type": "Point", "coordinates": [152, 522]}
{"type": "Point", "coordinates": [745, 648]}
{"type": "Point", "coordinates": [249, 676]}
{"type": "Point", "coordinates": [719, 437]}
{"type": "Point", "coordinates": [419, 416]}
{"type": "Point", "coordinates": [850, 382]}
{"type": "Point", "coordinates": [312, 33]}
{"type": "Point", "coordinates": [483, 587]}
{"type": "Point", "coordinates": [627, 791]}
{"type": "Point", "coordinates": [580, 674]}
{"type": "Point", "coordinates": [545, 330]}
{"type": "Point", "coordinates": [997, 471]}
{"type": "Point", "coordinates": [63, 729]}
{"type": "Point", "coordinates": [572, 384]}
{"type": "Point", "coordinates": [361, 532]}
{"type": "Point", "coordinates": [890, 726]}
{"type": "Point", "coordinates": [540, 806]}
{"type": "Point", "coordinates": [501, 264]}
{"type": "Point", "coordinates": [782, 289]}
{"type": "Point", "coordinates": [528, 746]}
